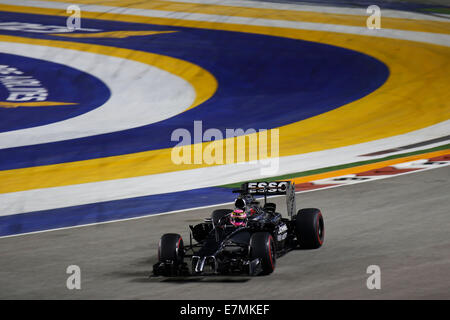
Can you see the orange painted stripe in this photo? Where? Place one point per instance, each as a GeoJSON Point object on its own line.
{"type": "Point", "coordinates": [367, 167]}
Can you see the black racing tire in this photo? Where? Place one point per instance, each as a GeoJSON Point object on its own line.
{"type": "Point", "coordinates": [216, 215]}
{"type": "Point", "coordinates": [262, 246]}
{"type": "Point", "coordinates": [171, 248]}
{"type": "Point", "coordinates": [309, 228]}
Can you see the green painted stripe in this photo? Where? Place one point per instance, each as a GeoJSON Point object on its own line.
{"type": "Point", "coordinates": [438, 10]}
{"type": "Point", "coordinates": [343, 166]}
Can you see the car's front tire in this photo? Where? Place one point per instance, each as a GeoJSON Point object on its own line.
{"type": "Point", "coordinates": [262, 246]}
{"type": "Point", "coordinates": [309, 228]}
{"type": "Point", "coordinates": [171, 248]}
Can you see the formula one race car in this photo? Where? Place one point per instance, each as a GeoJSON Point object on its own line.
{"type": "Point", "coordinates": [246, 240]}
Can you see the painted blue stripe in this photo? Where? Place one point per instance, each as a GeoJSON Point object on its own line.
{"type": "Point", "coordinates": [64, 84]}
{"type": "Point", "coordinates": [264, 82]}
{"type": "Point", "coordinates": [112, 210]}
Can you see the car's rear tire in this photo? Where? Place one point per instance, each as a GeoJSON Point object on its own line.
{"type": "Point", "coordinates": [216, 215]}
{"type": "Point", "coordinates": [171, 248]}
{"type": "Point", "coordinates": [262, 246]}
{"type": "Point", "coordinates": [309, 228]}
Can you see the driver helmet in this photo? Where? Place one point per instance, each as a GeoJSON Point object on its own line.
{"type": "Point", "coordinates": [238, 218]}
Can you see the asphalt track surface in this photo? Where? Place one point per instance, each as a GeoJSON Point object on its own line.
{"type": "Point", "coordinates": [400, 224]}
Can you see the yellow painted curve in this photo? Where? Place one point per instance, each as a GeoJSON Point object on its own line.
{"type": "Point", "coordinates": [8, 104]}
{"type": "Point", "coordinates": [111, 34]}
{"type": "Point", "coordinates": [203, 82]}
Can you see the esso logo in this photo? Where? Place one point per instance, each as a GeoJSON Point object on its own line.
{"type": "Point", "coordinates": [271, 187]}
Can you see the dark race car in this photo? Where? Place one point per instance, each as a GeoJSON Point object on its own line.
{"type": "Point", "coordinates": [247, 240]}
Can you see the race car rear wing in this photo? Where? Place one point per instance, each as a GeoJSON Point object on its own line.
{"type": "Point", "coordinates": [272, 188]}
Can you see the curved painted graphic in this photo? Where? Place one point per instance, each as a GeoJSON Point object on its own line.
{"type": "Point", "coordinates": [302, 80]}
{"type": "Point", "coordinates": [151, 85]}
{"type": "Point", "coordinates": [37, 92]}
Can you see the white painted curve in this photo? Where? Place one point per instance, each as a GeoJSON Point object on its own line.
{"type": "Point", "coordinates": [140, 95]}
